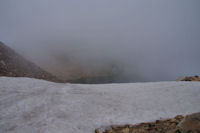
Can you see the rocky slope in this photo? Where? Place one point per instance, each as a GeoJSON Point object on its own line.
{"type": "Point", "coordinates": [14, 65]}
{"type": "Point", "coordinates": [179, 124]}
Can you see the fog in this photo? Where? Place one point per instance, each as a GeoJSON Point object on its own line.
{"type": "Point", "coordinates": [137, 40]}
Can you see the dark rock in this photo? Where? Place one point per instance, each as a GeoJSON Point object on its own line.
{"type": "Point", "coordinates": [191, 78]}
{"type": "Point", "coordinates": [14, 65]}
{"type": "Point", "coordinates": [191, 123]}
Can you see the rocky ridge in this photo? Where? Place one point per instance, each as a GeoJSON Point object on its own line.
{"type": "Point", "coordinates": [14, 65]}
{"type": "Point", "coordinates": [189, 78]}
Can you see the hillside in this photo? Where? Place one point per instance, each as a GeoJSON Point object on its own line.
{"type": "Point", "coordinates": [14, 65]}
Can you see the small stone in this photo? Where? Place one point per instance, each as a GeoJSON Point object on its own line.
{"type": "Point", "coordinates": [125, 130]}
{"type": "Point", "coordinates": [97, 131]}
{"type": "Point", "coordinates": [173, 120]}
{"type": "Point", "coordinates": [157, 121]}
{"type": "Point", "coordinates": [109, 131]}
{"type": "Point", "coordinates": [166, 124]}
{"type": "Point", "coordinates": [179, 117]}
{"type": "Point", "coordinates": [173, 125]}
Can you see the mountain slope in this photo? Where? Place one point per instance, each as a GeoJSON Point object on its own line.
{"type": "Point", "coordinates": [14, 65]}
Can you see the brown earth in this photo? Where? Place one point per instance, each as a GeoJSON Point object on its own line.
{"type": "Point", "coordinates": [14, 65]}
{"type": "Point", "coordinates": [179, 124]}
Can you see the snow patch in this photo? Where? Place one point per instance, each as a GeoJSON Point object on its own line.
{"type": "Point", "coordinates": [31, 105]}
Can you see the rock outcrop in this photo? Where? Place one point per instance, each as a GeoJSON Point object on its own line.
{"type": "Point", "coordinates": [190, 124]}
{"type": "Point", "coordinates": [179, 124]}
{"type": "Point", "coordinates": [190, 78]}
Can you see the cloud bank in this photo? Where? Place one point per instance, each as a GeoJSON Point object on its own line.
{"type": "Point", "coordinates": [139, 40]}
